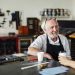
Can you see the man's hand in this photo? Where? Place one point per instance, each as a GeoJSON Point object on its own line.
{"type": "Point", "coordinates": [46, 55]}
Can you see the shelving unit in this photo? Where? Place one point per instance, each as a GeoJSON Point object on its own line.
{"type": "Point", "coordinates": [24, 42]}
{"type": "Point", "coordinates": [58, 17]}
{"type": "Point", "coordinates": [33, 25]}
{"type": "Point", "coordinates": [8, 45]}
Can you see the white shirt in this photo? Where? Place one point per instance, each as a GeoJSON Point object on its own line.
{"type": "Point", "coordinates": [41, 41]}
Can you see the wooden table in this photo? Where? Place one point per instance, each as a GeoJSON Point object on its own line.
{"type": "Point", "coordinates": [15, 68]}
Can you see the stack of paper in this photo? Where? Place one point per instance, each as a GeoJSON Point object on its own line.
{"type": "Point", "coordinates": [19, 54]}
{"type": "Point", "coordinates": [54, 70]}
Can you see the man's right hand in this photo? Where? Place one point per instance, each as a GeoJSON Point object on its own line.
{"type": "Point", "coordinates": [46, 55]}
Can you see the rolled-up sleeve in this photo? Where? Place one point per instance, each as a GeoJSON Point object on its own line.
{"type": "Point", "coordinates": [37, 43]}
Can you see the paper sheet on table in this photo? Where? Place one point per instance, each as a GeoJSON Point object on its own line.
{"type": "Point", "coordinates": [54, 70]}
{"type": "Point", "coordinates": [19, 54]}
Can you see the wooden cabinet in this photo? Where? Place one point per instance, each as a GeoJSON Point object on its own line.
{"type": "Point", "coordinates": [14, 44]}
{"type": "Point", "coordinates": [24, 42]}
{"type": "Point", "coordinates": [8, 45]}
{"type": "Point", "coordinates": [33, 25]}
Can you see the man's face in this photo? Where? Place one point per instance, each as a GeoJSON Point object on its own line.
{"type": "Point", "coordinates": [52, 28]}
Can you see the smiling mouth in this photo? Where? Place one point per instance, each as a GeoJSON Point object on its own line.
{"type": "Point", "coordinates": [54, 33]}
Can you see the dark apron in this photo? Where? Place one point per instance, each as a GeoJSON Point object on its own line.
{"type": "Point", "coordinates": [54, 50]}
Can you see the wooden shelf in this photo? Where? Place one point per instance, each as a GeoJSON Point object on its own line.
{"type": "Point", "coordinates": [23, 43]}
{"type": "Point", "coordinates": [72, 35]}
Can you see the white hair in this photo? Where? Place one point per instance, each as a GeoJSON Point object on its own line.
{"type": "Point", "coordinates": [43, 25]}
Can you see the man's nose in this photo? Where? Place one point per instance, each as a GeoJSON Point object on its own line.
{"type": "Point", "coordinates": [55, 29]}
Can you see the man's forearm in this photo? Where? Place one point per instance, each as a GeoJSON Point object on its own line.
{"type": "Point", "coordinates": [33, 51]}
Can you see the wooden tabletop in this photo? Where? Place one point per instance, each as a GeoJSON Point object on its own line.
{"type": "Point", "coordinates": [72, 35]}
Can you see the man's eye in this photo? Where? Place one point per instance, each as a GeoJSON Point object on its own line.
{"type": "Point", "coordinates": [51, 27]}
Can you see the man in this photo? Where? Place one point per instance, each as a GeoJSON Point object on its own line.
{"type": "Point", "coordinates": [51, 42]}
